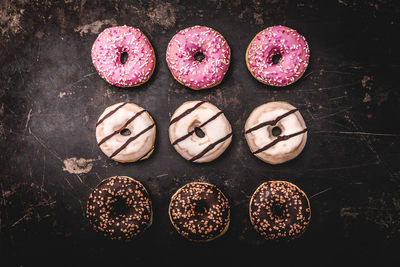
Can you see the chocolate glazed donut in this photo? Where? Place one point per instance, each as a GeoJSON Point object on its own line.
{"type": "Point", "coordinates": [199, 212]}
{"type": "Point", "coordinates": [279, 210]}
{"type": "Point", "coordinates": [120, 208]}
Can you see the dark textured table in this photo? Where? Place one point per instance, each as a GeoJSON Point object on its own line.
{"type": "Point", "coordinates": [51, 98]}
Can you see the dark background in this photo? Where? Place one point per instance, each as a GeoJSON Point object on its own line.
{"type": "Point", "coordinates": [51, 98]}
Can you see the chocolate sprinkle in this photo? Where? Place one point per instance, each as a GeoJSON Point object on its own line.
{"type": "Point", "coordinates": [199, 211]}
{"type": "Point", "coordinates": [279, 210]}
{"type": "Point", "coordinates": [120, 208]}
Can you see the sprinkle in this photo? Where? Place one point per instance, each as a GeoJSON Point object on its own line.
{"type": "Point", "coordinates": [199, 211]}
{"type": "Point", "coordinates": [279, 210]}
{"type": "Point", "coordinates": [120, 208]}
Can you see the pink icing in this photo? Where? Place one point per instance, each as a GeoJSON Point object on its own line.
{"type": "Point", "coordinates": [278, 40]}
{"type": "Point", "coordinates": [106, 56]}
{"type": "Point", "coordinates": [190, 72]}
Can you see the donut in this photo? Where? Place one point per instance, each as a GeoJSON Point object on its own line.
{"type": "Point", "coordinates": [276, 132]}
{"type": "Point", "coordinates": [199, 211]}
{"type": "Point", "coordinates": [123, 56]}
{"type": "Point", "coordinates": [119, 208]}
{"type": "Point", "coordinates": [199, 131]}
{"type": "Point", "coordinates": [126, 132]}
{"type": "Point", "coordinates": [277, 56]}
{"type": "Point", "coordinates": [279, 210]}
{"type": "Point", "coordinates": [198, 57]}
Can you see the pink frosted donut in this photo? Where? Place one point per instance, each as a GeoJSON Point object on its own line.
{"type": "Point", "coordinates": [277, 56]}
{"type": "Point", "coordinates": [115, 44]}
{"type": "Point", "coordinates": [198, 57]}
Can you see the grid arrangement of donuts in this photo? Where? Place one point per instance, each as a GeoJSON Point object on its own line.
{"type": "Point", "coordinates": [199, 57]}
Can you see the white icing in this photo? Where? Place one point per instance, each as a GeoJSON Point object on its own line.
{"type": "Point", "coordinates": [135, 149]}
{"type": "Point", "coordinates": [293, 123]}
{"type": "Point", "coordinates": [214, 131]}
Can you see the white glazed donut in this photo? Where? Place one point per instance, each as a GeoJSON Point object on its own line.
{"type": "Point", "coordinates": [126, 132]}
{"type": "Point", "coordinates": [276, 132]}
{"type": "Point", "coordinates": [194, 119]}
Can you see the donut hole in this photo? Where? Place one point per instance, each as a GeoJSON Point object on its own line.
{"type": "Point", "coordinates": [124, 57]}
{"type": "Point", "coordinates": [125, 132]}
{"type": "Point", "coordinates": [276, 58]}
{"type": "Point", "coordinates": [119, 207]}
{"type": "Point", "coordinates": [276, 131]}
{"type": "Point", "coordinates": [199, 56]}
{"type": "Point", "coordinates": [200, 208]}
{"type": "Point", "coordinates": [199, 132]}
{"type": "Point", "coordinates": [278, 211]}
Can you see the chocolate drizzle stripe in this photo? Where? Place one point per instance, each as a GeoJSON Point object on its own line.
{"type": "Point", "coordinates": [110, 113]}
{"type": "Point", "coordinates": [279, 139]}
{"type": "Point", "coordinates": [123, 127]}
{"type": "Point", "coordinates": [210, 147]}
{"type": "Point", "coordinates": [191, 132]}
{"type": "Point", "coordinates": [130, 140]}
{"type": "Point", "coordinates": [273, 122]}
{"type": "Point", "coordinates": [188, 111]}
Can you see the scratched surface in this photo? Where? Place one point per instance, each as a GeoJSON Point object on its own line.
{"type": "Point", "coordinates": [51, 98]}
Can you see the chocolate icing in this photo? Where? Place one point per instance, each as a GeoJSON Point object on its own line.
{"type": "Point", "coordinates": [123, 127]}
{"type": "Point", "coordinates": [199, 211]}
{"type": "Point", "coordinates": [180, 139]}
{"type": "Point", "coordinates": [272, 122]}
{"type": "Point", "coordinates": [110, 113]}
{"type": "Point", "coordinates": [279, 210]}
{"type": "Point", "coordinates": [210, 147]}
{"type": "Point", "coordinates": [130, 140]}
{"type": "Point", "coordinates": [279, 139]}
{"type": "Point", "coordinates": [120, 208]}
{"type": "Point", "coordinates": [188, 111]}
